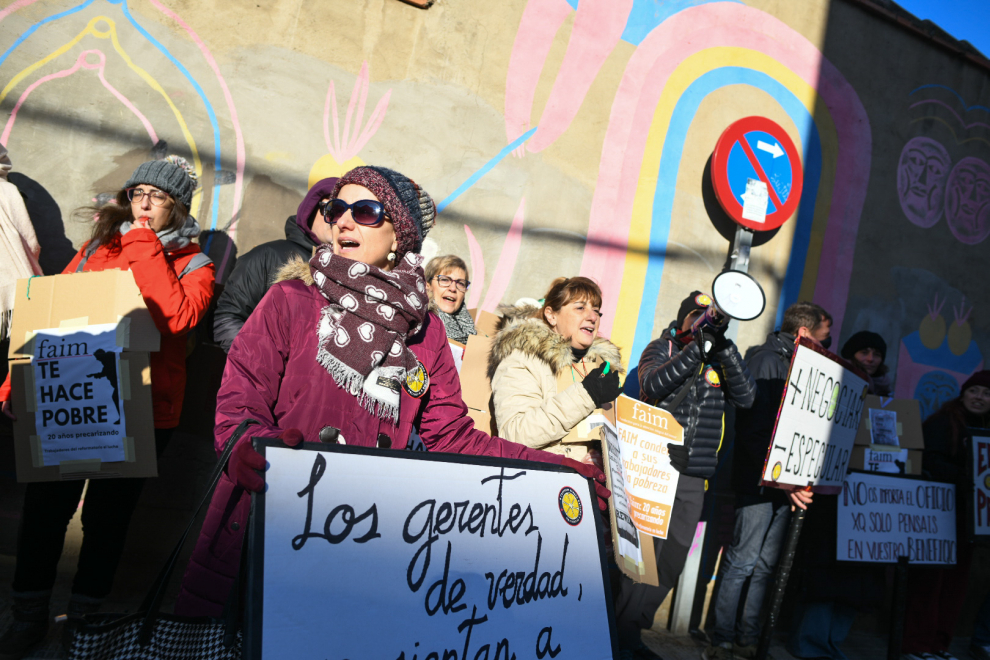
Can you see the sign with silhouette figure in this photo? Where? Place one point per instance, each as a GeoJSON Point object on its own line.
{"type": "Point", "coordinates": [78, 412]}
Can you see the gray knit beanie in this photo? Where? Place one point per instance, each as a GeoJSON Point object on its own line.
{"type": "Point", "coordinates": [174, 175]}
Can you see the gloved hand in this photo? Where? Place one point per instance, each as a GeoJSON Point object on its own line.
{"type": "Point", "coordinates": [678, 456]}
{"type": "Point", "coordinates": [591, 472]}
{"type": "Point", "coordinates": [705, 341]}
{"type": "Point", "coordinates": [245, 460]}
{"type": "Point", "coordinates": [602, 388]}
{"type": "Point", "coordinates": [721, 341]}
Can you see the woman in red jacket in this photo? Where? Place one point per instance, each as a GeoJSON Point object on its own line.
{"type": "Point", "coordinates": [147, 229]}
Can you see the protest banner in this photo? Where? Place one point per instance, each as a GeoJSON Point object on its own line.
{"type": "Point", "coordinates": [361, 553]}
{"type": "Point", "coordinates": [817, 423]}
{"type": "Point", "coordinates": [979, 519]}
{"type": "Point", "coordinates": [881, 518]}
{"type": "Point", "coordinates": [651, 482]}
{"type": "Point", "coordinates": [76, 399]}
{"type": "Point", "coordinates": [80, 371]}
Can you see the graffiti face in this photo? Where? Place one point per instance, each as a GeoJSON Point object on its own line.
{"type": "Point", "coordinates": [934, 389]}
{"type": "Point", "coordinates": [967, 200]}
{"type": "Point", "coordinates": [921, 175]}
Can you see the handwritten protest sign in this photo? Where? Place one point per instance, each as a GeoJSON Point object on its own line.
{"type": "Point", "coordinates": [651, 482]}
{"type": "Point", "coordinates": [817, 423]}
{"type": "Point", "coordinates": [359, 553]}
{"type": "Point", "coordinates": [980, 518]}
{"type": "Point", "coordinates": [881, 518]}
{"type": "Point", "coordinates": [77, 406]}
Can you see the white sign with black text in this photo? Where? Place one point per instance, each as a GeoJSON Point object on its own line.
{"type": "Point", "coordinates": [881, 518]}
{"type": "Point", "coordinates": [357, 553]}
{"type": "Point", "coordinates": [817, 423]}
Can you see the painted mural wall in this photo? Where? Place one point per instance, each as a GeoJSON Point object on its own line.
{"type": "Point", "coordinates": [558, 137]}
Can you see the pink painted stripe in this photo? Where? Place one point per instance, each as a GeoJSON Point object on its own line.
{"type": "Point", "coordinates": [65, 73]}
{"type": "Point", "coordinates": [235, 122]}
{"type": "Point", "coordinates": [20, 4]}
{"type": "Point", "coordinates": [539, 23]}
{"type": "Point", "coordinates": [658, 56]}
{"type": "Point", "coordinates": [597, 29]}
{"type": "Point", "coordinates": [477, 273]}
{"type": "Point", "coordinates": [506, 261]}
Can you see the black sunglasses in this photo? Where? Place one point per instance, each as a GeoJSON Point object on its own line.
{"type": "Point", "coordinates": [365, 212]}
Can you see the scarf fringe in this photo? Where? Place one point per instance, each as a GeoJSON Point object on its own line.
{"type": "Point", "coordinates": [6, 320]}
{"type": "Point", "coordinates": [353, 382]}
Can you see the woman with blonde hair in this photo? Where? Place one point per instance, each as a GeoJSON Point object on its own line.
{"type": "Point", "coordinates": [533, 348]}
{"type": "Point", "coordinates": [447, 284]}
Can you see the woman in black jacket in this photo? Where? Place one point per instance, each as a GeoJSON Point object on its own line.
{"type": "Point", "coordinates": [935, 595]}
{"type": "Point", "coordinates": [256, 270]}
{"type": "Point", "coordinates": [710, 367]}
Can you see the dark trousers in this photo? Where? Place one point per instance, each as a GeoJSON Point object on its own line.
{"type": "Point", "coordinates": [106, 516]}
{"type": "Point", "coordinates": [935, 600]}
{"type": "Point", "coordinates": [636, 604]}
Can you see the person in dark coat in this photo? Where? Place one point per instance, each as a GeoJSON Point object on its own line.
{"type": "Point", "coordinates": [255, 271]}
{"type": "Point", "coordinates": [761, 514]}
{"type": "Point", "coordinates": [936, 594]}
{"type": "Point", "coordinates": [710, 365]}
{"type": "Point", "coordinates": [868, 351]}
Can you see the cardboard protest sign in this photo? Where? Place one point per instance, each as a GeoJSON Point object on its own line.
{"type": "Point", "coordinates": [817, 422]}
{"type": "Point", "coordinates": [889, 460]}
{"type": "Point", "coordinates": [80, 378]}
{"type": "Point", "coordinates": [76, 397]}
{"type": "Point", "coordinates": [881, 518]}
{"type": "Point", "coordinates": [633, 550]}
{"type": "Point", "coordinates": [979, 519]}
{"type": "Point", "coordinates": [900, 423]}
{"type": "Point", "coordinates": [651, 482]}
{"type": "Point", "coordinates": [473, 557]}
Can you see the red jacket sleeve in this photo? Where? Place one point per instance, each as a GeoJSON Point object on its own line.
{"type": "Point", "coordinates": [255, 366]}
{"type": "Point", "coordinates": [446, 427]}
{"type": "Point", "coordinates": [175, 305]}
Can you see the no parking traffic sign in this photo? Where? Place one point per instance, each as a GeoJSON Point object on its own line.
{"type": "Point", "coordinates": [756, 172]}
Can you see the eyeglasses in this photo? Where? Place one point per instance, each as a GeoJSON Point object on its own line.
{"type": "Point", "coordinates": [444, 282]}
{"type": "Point", "coordinates": [365, 212]}
{"type": "Point", "coordinates": [157, 197]}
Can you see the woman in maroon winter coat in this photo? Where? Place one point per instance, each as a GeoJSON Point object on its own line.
{"type": "Point", "coordinates": [340, 349]}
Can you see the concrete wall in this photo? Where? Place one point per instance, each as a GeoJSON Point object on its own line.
{"type": "Point", "coordinates": [626, 99]}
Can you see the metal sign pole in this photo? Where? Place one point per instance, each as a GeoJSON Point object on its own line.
{"type": "Point", "coordinates": [780, 582]}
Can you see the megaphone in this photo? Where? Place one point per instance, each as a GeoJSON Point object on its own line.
{"type": "Point", "coordinates": [735, 295]}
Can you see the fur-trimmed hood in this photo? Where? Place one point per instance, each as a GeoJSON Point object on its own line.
{"type": "Point", "coordinates": [295, 269]}
{"type": "Point", "coordinates": [518, 331]}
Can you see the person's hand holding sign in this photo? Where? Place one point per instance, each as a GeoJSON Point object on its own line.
{"type": "Point", "coordinates": [589, 471]}
{"type": "Point", "coordinates": [8, 410]}
{"type": "Point", "coordinates": [245, 461]}
{"type": "Point", "coordinates": [800, 499]}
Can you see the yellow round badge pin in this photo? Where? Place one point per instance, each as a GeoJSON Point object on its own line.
{"type": "Point", "coordinates": [712, 377]}
{"type": "Point", "coordinates": [702, 300]}
{"type": "Point", "coordinates": [776, 471]}
{"type": "Point", "coordinates": [417, 381]}
{"type": "Point", "coordinates": [570, 505]}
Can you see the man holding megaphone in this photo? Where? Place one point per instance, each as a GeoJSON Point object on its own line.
{"type": "Point", "coordinates": [691, 370]}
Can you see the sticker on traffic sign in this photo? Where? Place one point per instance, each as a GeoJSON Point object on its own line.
{"type": "Point", "coordinates": [755, 156]}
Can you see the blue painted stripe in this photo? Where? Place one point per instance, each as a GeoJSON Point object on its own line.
{"type": "Point", "coordinates": [955, 93]}
{"type": "Point", "coordinates": [473, 179]}
{"type": "Point", "coordinates": [202, 95]}
{"type": "Point", "coordinates": [34, 28]}
{"type": "Point", "coordinates": [670, 160]}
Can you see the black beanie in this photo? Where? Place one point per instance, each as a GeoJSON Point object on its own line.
{"type": "Point", "coordinates": [864, 339]}
{"type": "Point", "coordinates": [695, 300]}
